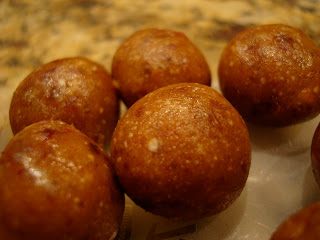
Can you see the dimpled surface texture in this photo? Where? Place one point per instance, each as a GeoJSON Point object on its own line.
{"type": "Point", "coordinates": [182, 152]}
{"type": "Point", "coordinates": [74, 90]}
{"type": "Point", "coordinates": [56, 183]}
{"type": "Point", "coordinates": [271, 75]}
{"type": "Point", "coordinates": [154, 58]}
{"type": "Point", "coordinates": [303, 225]}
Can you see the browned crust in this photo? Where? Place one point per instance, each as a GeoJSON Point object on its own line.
{"type": "Point", "coordinates": [76, 90]}
{"type": "Point", "coordinates": [154, 58]}
{"type": "Point", "coordinates": [271, 74]}
{"type": "Point", "coordinates": [57, 183]}
{"type": "Point", "coordinates": [182, 152]}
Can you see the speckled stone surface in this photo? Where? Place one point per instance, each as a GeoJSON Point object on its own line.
{"type": "Point", "coordinates": [36, 32]}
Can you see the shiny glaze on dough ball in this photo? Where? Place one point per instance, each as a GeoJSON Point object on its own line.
{"type": "Point", "coordinates": [75, 90]}
{"type": "Point", "coordinates": [271, 75]}
{"type": "Point", "coordinates": [57, 183]}
{"type": "Point", "coordinates": [154, 58]}
{"type": "Point", "coordinates": [182, 152]}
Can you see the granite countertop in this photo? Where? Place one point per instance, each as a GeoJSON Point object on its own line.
{"type": "Point", "coordinates": [39, 31]}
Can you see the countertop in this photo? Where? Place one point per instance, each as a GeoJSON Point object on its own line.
{"type": "Point", "coordinates": [39, 31]}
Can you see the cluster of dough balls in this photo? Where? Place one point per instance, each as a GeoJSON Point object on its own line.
{"type": "Point", "coordinates": [182, 150]}
{"type": "Point", "coordinates": [55, 180]}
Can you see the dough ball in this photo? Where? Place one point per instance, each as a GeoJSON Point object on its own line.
{"type": "Point", "coordinates": [154, 58]}
{"type": "Point", "coordinates": [57, 183]}
{"type": "Point", "coordinates": [182, 152]}
{"type": "Point", "coordinates": [315, 154]}
{"type": "Point", "coordinates": [271, 75]}
{"type": "Point", "coordinates": [303, 225]}
{"type": "Point", "coordinates": [74, 90]}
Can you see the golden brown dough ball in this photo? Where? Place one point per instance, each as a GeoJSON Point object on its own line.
{"type": "Point", "coordinates": [57, 183]}
{"type": "Point", "coordinates": [154, 58]}
{"type": "Point", "coordinates": [75, 90]}
{"type": "Point", "coordinates": [315, 154]}
{"type": "Point", "coordinates": [271, 75]}
{"type": "Point", "coordinates": [182, 152]}
{"type": "Point", "coordinates": [303, 225]}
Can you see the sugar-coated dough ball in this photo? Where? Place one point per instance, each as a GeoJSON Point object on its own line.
{"type": "Point", "coordinates": [75, 90]}
{"type": "Point", "coordinates": [57, 183]}
{"type": "Point", "coordinates": [303, 225]}
{"type": "Point", "coordinates": [271, 75]}
{"type": "Point", "coordinates": [182, 152]}
{"type": "Point", "coordinates": [154, 58]}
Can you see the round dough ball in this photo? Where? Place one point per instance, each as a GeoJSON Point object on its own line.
{"type": "Point", "coordinates": [56, 183]}
{"type": "Point", "coordinates": [271, 75]}
{"type": "Point", "coordinates": [315, 154]}
{"type": "Point", "coordinates": [154, 58]}
{"type": "Point", "coordinates": [74, 90]}
{"type": "Point", "coordinates": [182, 152]}
{"type": "Point", "coordinates": [303, 225]}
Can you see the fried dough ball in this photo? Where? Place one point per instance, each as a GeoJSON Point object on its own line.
{"type": "Point", "coordinates": [315, 154]}
{"type": "Point", "coordinates": [271, 75]}
{"type": "Point", "coordinates": [182, 152]}
{"type": "Point", "coordinates": [154, 58]}
{"type": "Point", "coordinates": [303, 225]}
{"type": "Point", "coordinates": [75, 90]}
{"type": "Point", "coordinates": [57, 183]}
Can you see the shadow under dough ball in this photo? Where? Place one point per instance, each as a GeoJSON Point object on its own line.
{"type": "Point", "coordinates": [182, 152]}
{"type": "Point", "coordinates": [75, 90]}
{"type": "Point", "coordinates": [57, 183]}
{"type": "Point", "coordinates": [154, 58]}
{"type": "Point", "coordinates": [271, 75]}
{"type": "Point", "coordinates": [303, 225]}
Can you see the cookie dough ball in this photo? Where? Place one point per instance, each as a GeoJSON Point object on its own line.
{"type": "Point", "coordinates": [315, 154]}
{"type": "Point", "coordinates": [271, 75]}
{"type": "Point", "coordinates": [153, 58]}
{"type": "Point", "coordinates": [56, 183]}
{"type": "Point", "coordinates": [182, 152]}
{"type": "Point", "coordinates": [74, 90]}
{"type": "Point", "coordinates": [303, 225]}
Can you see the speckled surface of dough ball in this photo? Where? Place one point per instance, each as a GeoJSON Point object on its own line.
{"type": "Point", "coordinates": [315, 154]}
{"type": "Point", "coordinates": [271, 75]}
{"type": "Point", "coordinates": [182, 152]}
{"type": "Point", "coordinates": [75, 90]}
{"type": "Point", "coordinates": [154, 58]}
{"type": "Point", "coordinates": [303, 225]}
{"type": "Point", "coordinates": [57, 183]}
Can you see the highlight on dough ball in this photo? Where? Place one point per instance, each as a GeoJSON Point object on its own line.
{"type": "Point", "coordinates": [154, 58]}
{"type": "Point", "coordinates": [182, 152]}
{"type": "Point", "coordinates": [303, 225]}
{"type": "Point", "coordinates": [271, 75]}
{"type": "Point", "coordinates": [315, 154]}
{"type": "Point", "coordinates": [57, 183]}
{"type": "Point", "coordinates": [75, 90]}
